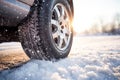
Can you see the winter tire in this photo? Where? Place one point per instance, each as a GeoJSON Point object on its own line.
{"type": "Point", "coordinates": [46, 33]}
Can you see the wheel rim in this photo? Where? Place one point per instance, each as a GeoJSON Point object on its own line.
{"type": "Point", "coordinates": [60, 28]}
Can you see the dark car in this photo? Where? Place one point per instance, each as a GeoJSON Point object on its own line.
{"type": "Point", "coordinates": [42, 26]}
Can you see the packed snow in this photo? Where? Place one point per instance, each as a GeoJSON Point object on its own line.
{"type": "Point", "coordinates": [91, 58]}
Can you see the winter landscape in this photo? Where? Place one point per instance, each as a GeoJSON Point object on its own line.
{"type": "Point", "coordinates": [95, 53]}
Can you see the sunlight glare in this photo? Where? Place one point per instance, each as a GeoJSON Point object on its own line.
{"type": "Point", "coordinates": [89, 11]}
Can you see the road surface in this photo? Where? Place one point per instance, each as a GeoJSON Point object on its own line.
{"type": "Point", "coordinates": [91, 58]}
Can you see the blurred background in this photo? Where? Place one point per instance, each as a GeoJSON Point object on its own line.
{"type": "Point", "coordinates": [97, 17]}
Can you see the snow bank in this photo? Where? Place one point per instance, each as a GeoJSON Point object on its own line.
{"type": "Point", "coordinates": [87, 67]}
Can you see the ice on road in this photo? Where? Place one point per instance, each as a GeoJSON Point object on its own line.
{"type": "Point", "coordinates": [91, 58]}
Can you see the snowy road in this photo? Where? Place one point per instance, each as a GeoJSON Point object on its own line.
{"type": "Point", "coordinates": [91, 58]}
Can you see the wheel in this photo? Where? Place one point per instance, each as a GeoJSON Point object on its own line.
{"type": "Point", "coordinates": [47, 33]}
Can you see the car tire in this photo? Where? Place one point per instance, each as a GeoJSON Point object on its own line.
{"type": "Point", "coordinates": [46, 33]}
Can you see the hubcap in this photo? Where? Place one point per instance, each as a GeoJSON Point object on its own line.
{"type": "Point", "coordinates": [60, 28]}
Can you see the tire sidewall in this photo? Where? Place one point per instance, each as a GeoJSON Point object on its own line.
{"type": "Point", "coordinates": [48, 36]}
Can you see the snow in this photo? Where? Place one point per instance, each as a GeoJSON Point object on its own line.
{"type": "Point", "coordinates": [9, 45]}
{"type": "Point", "coordinates": [91, 58]}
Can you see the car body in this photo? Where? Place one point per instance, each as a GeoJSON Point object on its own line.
{"type": "Point", "coordinates": [13, 11]}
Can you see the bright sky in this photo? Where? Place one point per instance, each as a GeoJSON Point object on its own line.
{"type": "Point", "coordinates": [89, 11]}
